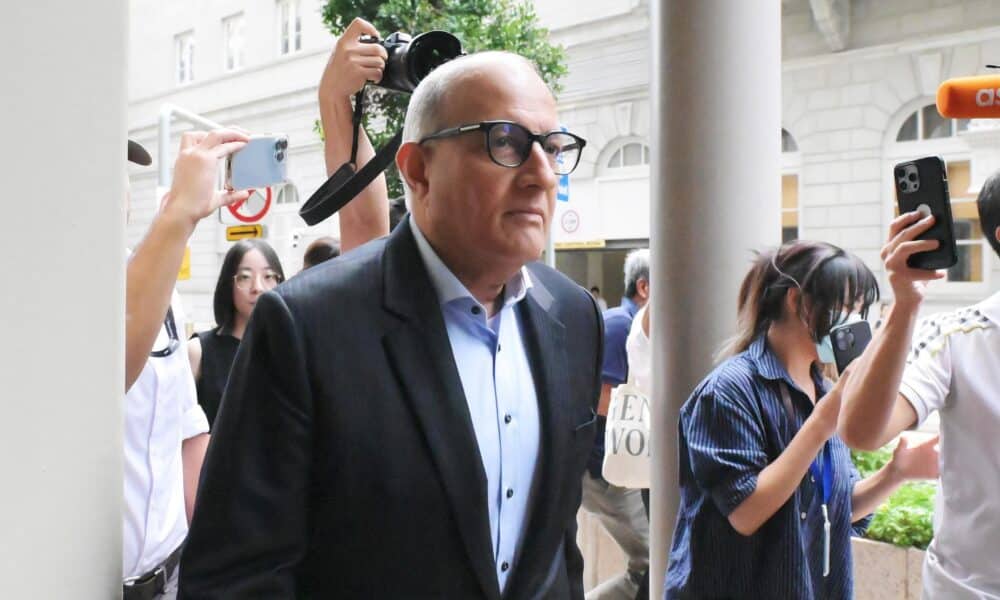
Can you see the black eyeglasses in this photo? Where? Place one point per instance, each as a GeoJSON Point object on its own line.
{"type": "Point", "coordinates": [174, 340]}
{"type": "Point", "coordinates": [509, 144]}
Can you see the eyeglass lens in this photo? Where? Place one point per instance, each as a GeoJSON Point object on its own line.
{"type": "Point", "coordinates": [510, 145]}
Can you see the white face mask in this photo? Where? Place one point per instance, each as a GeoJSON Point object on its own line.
{"type": "Point", "coordinates": [824, 347]}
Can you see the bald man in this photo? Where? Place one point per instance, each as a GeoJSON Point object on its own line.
{"type": "Point", "coordinates": [425, 435]}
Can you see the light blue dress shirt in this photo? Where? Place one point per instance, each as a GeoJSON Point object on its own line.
{"type": "Point", "coordinates": [500, 391]}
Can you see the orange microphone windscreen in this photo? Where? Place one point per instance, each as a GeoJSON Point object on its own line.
{"type": "Point", "coordinates": [970, 97]}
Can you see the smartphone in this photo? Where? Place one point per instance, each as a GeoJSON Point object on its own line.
{"type": "Point", "coordinates": [849, 341]}
{"type": "Point", "coordinates": [261, 163]}
{"type": "Point", "coordinates": [922, 185]}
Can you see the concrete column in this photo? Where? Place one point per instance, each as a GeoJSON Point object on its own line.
{"type": "Point", "coordinates": [63, 76]}
{"type": "Point", "coordinates": [716, 97]}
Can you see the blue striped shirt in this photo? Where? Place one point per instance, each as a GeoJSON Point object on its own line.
{"type": "Point", "coordinates": [733, 425]}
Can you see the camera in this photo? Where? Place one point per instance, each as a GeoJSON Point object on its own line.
{"type": "Point", "coordinates": [412, 59]}
{"type": "Point", "coordinates": [908, 178]}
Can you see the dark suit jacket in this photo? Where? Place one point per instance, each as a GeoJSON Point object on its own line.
{"type": "Point", "coordinates": [343, 463]}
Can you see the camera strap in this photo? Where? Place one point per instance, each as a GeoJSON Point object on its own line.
{"type": "Point", "coordinates": [347, 181]}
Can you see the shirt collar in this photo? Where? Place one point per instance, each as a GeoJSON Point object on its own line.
{"type": "Point", "coordinates": [770, 368]}
{"type": "Point", "coordinates": [449, 288]}
{"type": "Point", "coordinates": [991, 308]}
{"type": "Point", "coordinates": [630, 307]}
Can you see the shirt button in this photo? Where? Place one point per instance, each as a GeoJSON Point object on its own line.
{"type": "Point", "coordinates": [510, 493]}
{"type": "Point", "coordinates": [803, 516]}
{"type": "Point", "coordinates": [476, 310]}
{"type": "Point", "coordinates": [505, 566]}
{"type": "Point", "coordinates": [507, 419]}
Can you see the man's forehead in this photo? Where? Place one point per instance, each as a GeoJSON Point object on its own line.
{"type": "Point", "coordinates": [496, 94]}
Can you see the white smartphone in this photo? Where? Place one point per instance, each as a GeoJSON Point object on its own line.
{"type": "Point", "coordinates": [261, 163]}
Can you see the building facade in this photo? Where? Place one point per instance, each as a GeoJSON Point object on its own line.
{"type": "Point", "coordinates": [859, 80]}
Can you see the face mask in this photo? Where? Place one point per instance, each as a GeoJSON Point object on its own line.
{"type": "Point", "coordinates": [824, 348]}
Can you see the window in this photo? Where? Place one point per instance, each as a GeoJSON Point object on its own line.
{"type": "Point", "coordinates": [968, 233]}
{"type": "Point", "coordinates": [184, 51]}
{"type": "Point", "coordinates": [287, 194]}
{"type": "Point", "coordinates": [632, 154]}
{"type": "Point", "coordinates": [791, 163]}
{"type": "Point", "coordinates": [290, 27]}
{"type": "Point", "coordinates": [788, 142]}
{"type": "Point", "coordinates": [926, 124]}
{"type": "Point", "coordinates": [232, 36]}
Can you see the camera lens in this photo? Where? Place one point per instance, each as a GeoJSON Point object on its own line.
{"type": "Point", "coordinates": [282, 143]}
{"type": "Point", "coordinates": [280, 155]}
{"type": "Point", "coordinates": [904, 186]}
{"type": "Point", "coordinates": [912, 176]}
{"type": "Point", "coordinates": [900, 173]}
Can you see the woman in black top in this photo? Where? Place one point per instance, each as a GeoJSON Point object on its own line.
{"type": "Point", "coordinates": [250, 268]}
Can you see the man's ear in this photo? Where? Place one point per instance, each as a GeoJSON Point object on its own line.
{"type": "Point", "coordinates": [412, 164]}
{"type": "Point", "coordinates": [642, 286]}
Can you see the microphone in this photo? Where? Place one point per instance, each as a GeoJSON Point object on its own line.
{"type": "Point", "coordinates": [970, 97]}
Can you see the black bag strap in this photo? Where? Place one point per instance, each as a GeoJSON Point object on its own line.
{"type": "Point", "coordinates": [347, 181]}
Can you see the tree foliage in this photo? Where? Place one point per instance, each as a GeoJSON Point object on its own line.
{"type": "Point", "coordinates": [509, 25]}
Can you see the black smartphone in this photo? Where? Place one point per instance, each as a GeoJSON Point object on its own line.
{"type": "Point", "coordinates": [849, 341]}
{"type": "Point", "coordinates": [922, 185]}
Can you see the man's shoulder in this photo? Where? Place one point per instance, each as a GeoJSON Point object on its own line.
{"type": "Point", "coordinates": [355, 270]}
{"type": "Point", "coordinates": [561, 287]}
{"type": "Point", "coordinates": [966, 324]}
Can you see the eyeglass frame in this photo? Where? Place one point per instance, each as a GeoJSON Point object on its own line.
{"type": "Point", "coordinates": [277, 276]}
{"type": "Point", "coordinates": [487, 126]}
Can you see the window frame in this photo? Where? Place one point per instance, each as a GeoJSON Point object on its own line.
{"type": "Point", "coordinates": [791, 164]}
{"type": "Point", "coordinates": [239, 59]}
{"type": "Point", "coordinates": [609, 173]}
{"type": "Point", "coordinates": [289, 31]}
{"type": "Point", "coordinates": [184, 43]}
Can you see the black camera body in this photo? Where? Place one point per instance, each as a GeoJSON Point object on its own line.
{"type": "Point", "coordinates": [412, 59]}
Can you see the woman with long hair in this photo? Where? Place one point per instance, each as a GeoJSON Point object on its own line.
{"type": "Point", "coordinates": [250, 268]}
{"type": "Point", "coordinates": [769, 495]}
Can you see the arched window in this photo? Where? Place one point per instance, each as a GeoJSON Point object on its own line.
{"type": "Point", "coordinates": [631, 154]}
{"type": "Point", "coordinates": [789, 187]}
{"type": "Point", "coordinates": [788, 142]}
{"type": "Point", "coordinates": [926, 123]}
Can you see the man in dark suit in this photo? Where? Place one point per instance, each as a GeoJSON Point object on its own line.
{"type": "Point", "coordinates": [413, 418]}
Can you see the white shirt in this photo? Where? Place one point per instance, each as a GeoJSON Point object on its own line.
{"type": "Point", "coordinates": [640, 355]}
{"type": "Point", "coordinates": [161, 411]}
{"type": "Point", "coordinates": [954, 368]}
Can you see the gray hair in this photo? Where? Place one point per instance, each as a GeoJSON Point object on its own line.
{"type": "Point", "coordinates": [423, 113]}
{"type": "Point", "coordinates": [636, 268]}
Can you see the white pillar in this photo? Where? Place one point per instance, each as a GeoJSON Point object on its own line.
{"type": "Point", "coordinates": [63, 77]}
{"type": "Point", "coordinates": [716, 89]}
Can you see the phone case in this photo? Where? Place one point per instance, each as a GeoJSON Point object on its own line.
{"type": "Point", "coordinates": [261, 163]}
{"type": "Point", "coordinates": [849, 342]}
{"type": "Point", "coordinates": [923, 185]}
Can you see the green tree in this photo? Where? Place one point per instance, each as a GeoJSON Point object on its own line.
{"type": "Point", "coordinates": [509, 25]}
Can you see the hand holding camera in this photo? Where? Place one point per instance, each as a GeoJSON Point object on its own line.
{"type": "Point", "coordinates": [352, 63]}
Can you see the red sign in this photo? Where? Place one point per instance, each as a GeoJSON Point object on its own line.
{"type": "Point", "coordinates": [253, 208]}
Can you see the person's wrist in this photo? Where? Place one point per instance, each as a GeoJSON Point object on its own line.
{"type": "Point", "coordinates": [894, 473]}
{"type": "Point", "coordinates": [176, 214]}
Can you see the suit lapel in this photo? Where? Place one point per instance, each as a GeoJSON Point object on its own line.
{"type": "Point", "coordinates": [421, 355]}
{"type": "Point", "coordinates": [545, 342]}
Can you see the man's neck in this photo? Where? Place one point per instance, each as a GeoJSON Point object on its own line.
{"type": "Point", "coordinates": [796, 353]}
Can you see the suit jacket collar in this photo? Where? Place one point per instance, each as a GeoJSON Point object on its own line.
{"type": "Point", "coordinates": [421, 355]}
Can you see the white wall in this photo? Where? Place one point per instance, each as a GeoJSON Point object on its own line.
{"type": "Point", "coordinates": [62, 306]}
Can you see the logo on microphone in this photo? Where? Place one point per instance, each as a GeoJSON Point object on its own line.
{"type": "Point", "coordinates": [988, 97]}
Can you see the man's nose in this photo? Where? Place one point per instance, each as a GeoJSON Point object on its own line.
{"type": "Point", "coordinates": [538, 168]}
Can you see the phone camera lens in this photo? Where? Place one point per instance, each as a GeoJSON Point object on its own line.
{"type": "Point", "coordinates": [912, 176]}
{"type": "Point", "coordinates": [281, 144]}
{"type": "Point", "coordinates": [900, 173]}
{"type": "Point", "coordinates": [280, 155]}
{"type": "Point", "coordinates": [904, 186]}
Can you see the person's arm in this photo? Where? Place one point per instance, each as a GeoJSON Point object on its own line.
{"type": "Point", "coordinates": [192, 457]}
{"type": "Point", "coordinates": [351, 64]}
{"type": "Point", "coordinates": [250, 530]}
{"type": "Point", "coordinates": [908, 463]}
{"type": "Point", "coordinates": [778, 481]}
{"type": "Point", "coordinates": [874, 412]}
{"type": "Point", "coordinates": [605, 401]}
{"type": "Point", "coordinates": [152, 269]}
{"type": "Point", "coordinates": [194, 356]}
